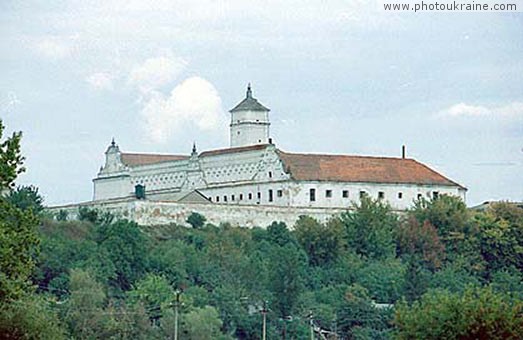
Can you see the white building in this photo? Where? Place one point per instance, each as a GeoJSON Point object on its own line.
{"type": "Point", "coordinates": [253, 171]}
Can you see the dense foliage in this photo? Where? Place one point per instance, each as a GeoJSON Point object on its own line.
{"type": "Point", "coordinates": [437, 271]}
{"type": "Point", "coordinates": [367, 274]}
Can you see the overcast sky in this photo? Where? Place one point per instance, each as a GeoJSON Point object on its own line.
{"type": "Point", "coordinates": [339, 77]}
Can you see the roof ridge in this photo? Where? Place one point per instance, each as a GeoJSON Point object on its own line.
{"type": "Point", "coordinates": [342, 155]}
{"type": "Point", "coordinates": [235, 149]}
{"type": "Point", "coordinates": [152, 154]}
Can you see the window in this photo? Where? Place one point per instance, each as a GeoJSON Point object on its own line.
{"type": "Point", "coordinates": [328, 193]}
{"type": "Point", "coordinates": [435, 194]}
{"type": "Point", "coordinates": [250, 195]}
{"type": "Point", "coordinates": [362, 194]}
{"type": "Point", "coordinates": [270, 174]}
{"type": "Point", "coordinates": [381, 195]}
{"type": "Point", "coordinates": [238, 132]}
{"type": "Point", "coordinates": [419, 196]}
{"type": "Point", "coordinates": [312, 195]}
{"type": "Point", "coordinates": [217, 198]}
{"type": "Point", "coordinates": [279, 193]}
{"type": "Point", "coordinates": [400, 195]}
{"type": "Point", "coordinates": [225, 198]}
{"type": "Point", "coordinates": [345, 194]}
{"type": "Point", "coordinates": [259, 195]}
{"type": "Point", "coordinates": [270, 195]}
{"type": "Point", "coordinates": [241, 197]}
{"type": "Point", "coordinates": [232, 197]}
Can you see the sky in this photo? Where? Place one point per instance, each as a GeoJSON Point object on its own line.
{"type": "Point", "coordinates": [341, 77]}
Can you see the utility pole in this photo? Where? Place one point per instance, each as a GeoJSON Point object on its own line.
{"type": "Point", "coordinates": [176, 305]}
{"type": "Point", "coordinates": [311, 324]}
{"type": "Point", "coordinates": [264, 323]}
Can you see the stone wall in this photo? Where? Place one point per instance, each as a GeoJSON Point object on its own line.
{"type": "Point", "coordinates": [157, 212]}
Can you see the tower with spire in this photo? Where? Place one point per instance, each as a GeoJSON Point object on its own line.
{"type": "Point", "coordinates": [249, 122]}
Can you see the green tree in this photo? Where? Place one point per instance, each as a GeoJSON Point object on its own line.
{"type": "Point", "coordinates": [26, 198]}
{"type": "Point", "coordinates": [126, 248]}
{"type": "Point", "coordinates": [478, 313]}
{"type": "Point", "coordinates": [85, 306]}
{"type": "Point", "coordinates": [31, 317]}
{"type": "Point", "coordinates": [202, 324]}
{"type": "Point", "coordinates": [19, 246]}
{"type": "Point", "coordinates": [278, 233]}
{"type": "Point", "coordinates": [18, 239]}
{"type": "Point", "coordinates": [154, 293]}
{"type": "Point", "coordinates": [322, 242]}
{"type": "Point", "coordinates": [11, 160]}
{"type": "Point", "coordinates": [501, 236]}
{"type": "Point", "coordinates": [383, 279]}
{"type": "Point", "coordinates": [196, 220]}
{"type": "Point", "coordinates": [286, 277]}
{"type": "Point", "coordinates": [447, 213]}
{"type": "Point", "coordinates": [358, 318]}
{"type": "Point", "coordinates": [370, 228]}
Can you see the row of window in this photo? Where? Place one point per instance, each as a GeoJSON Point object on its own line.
{"type": "Point", "coordinates": [345, 194]}
{"type": "Point", "coordinates": [312, 195]}
{"type": "Point", "coordinates": [250, 196]}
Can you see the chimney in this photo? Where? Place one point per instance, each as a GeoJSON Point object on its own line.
{"type": "Point", "coordinates": [403, 151]}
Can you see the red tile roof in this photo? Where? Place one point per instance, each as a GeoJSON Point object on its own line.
{"type": "Point", "coordinates": [134, 159]}
{"type": "Point", "coordinates": [313, 167]}
{"type": "Point", "coordinates": [317, 167]}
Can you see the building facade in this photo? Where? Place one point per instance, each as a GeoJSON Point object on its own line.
{"type": "Point", "coordinates": [253, 171]}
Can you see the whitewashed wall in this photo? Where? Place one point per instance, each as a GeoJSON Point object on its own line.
{"type": "Point", "coordinates": [160, 213]}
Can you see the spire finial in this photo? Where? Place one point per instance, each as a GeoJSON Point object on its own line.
{"type": "Point", "coordinates": [194, 148]}
{"type": "Point", "coordinates": [249, 91]}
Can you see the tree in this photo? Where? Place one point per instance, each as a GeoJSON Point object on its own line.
{"type": "Point", "coordinates": [84, 309]}
{"type": "Point", "coordinates": [322, 243]}
{"type": "Point", "coordinates": [26, 198]}
{"type": "Point", "coordinates": [18, 239]}
{"type": "Point", "coordinates": [19, 246]}
{"type": "Point", "coordinates": [11, 160]}
{"type": "Point", "coordinates": [420, 242]}
{"type": "Point", "coordinates": [31, 317]}
{"type": "Point", "coordinates": [447, 213]}
{"type": "Point", "coordinates": [419, 246]}
{"type": "Point", "coordinates": [478, 313]}
{"type": "Point", "coordinates": [154, 293]}
{"type": "Point", "coordinates": [286, 277]}
{"type": "Point", "coordinates": [358, 318]}
{"type": "Point", "coordinates": [202, 324]}
{"type": "Point", "coordinates": [370, 228]}
{"type": "Point", "coordinates": [127, 248]}
{"type": "Point", "coordinates": [196, 220]}
{"type": "Point", "coordinates": [501, 236]}
{"type": "Point", "coordinates": [278, 233]}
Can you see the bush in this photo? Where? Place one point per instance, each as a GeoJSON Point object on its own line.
{"type": "Point", "coordinates": [196, 220]}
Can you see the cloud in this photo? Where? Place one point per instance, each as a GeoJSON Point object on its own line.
{"type": "Point", "coordinates": [194, 103]}
{"type": "Point", "coordinates": [52, 48]}
{"type": "Point", "coordinates": [511, 110]}
{"type": "Point", "coordinates": [100, 81]}
{"type": "Point", "coordinates": [463, 109]}
{"type": "Point", "coordinates": [156, 72]}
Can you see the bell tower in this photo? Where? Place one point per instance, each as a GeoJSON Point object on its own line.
{"type": "Point", "coordinates": [249, 122]}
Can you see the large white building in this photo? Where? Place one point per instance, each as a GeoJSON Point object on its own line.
{"type": "Point", "coordinates": [252, 171]}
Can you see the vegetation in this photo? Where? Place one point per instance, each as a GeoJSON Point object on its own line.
{"type": "Point", "coordinates": [437, 271]}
